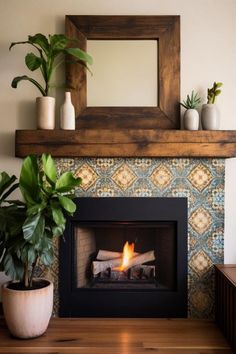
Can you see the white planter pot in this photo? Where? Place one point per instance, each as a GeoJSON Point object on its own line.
{"type": "Point", "coordinates": [27, 312]}
{"type": "Point", "coordinates": [210, 117]}
{"type": "Point", "coordinates": [45, 111]}
{"type": "Point", "coordinates": [67, 113]}
{"type": "Point", "coordinates": [191, 119]}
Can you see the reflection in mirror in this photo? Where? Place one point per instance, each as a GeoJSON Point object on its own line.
{"type": "Point", "coordinates": [125, 73]}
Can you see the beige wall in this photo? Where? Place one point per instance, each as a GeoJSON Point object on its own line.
{"type": "Point", "coordinates": [208, 53]}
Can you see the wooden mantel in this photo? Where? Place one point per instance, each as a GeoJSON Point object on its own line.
{"type": "Point", "coordinates": [126, 143]}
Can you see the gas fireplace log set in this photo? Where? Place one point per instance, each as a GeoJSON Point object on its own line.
{"type": "Point", "coordinates": [124, 266]}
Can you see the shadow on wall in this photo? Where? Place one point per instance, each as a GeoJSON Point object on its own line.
{"type": "Point", "coordinates": [7, 144]}
{"type": "Point", "coordinates": [26, 116]}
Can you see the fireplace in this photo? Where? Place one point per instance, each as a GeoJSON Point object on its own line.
{"type": "Point", "coordinates": [95, 278]}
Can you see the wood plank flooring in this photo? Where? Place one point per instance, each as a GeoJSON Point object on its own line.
{"type": "Point", "coordinates": [121, 336]}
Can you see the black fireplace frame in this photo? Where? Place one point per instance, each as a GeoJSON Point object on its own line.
{"type": "Point", "coordinates": [85, 302]}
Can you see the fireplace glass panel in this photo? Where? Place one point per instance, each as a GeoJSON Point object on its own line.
{"type": "Point", "coordinates": [159, 237]}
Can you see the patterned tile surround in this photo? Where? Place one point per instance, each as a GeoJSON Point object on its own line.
{"type": "Point", "coordinates": [200, 180]}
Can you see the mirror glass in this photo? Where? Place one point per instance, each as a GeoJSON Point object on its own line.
{"type": "Point", "coordinates": [125, 73]}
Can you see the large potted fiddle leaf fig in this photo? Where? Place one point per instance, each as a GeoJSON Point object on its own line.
{"type": "Point", "coordinates": [27, 229]}
{"type": "Point", "coordinates": [49, 54]}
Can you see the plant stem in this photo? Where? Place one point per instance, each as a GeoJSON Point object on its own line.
{"type": "Point", "coordinates": [26, 275]}
{"type": "Point", "coordinates": [33, 270]}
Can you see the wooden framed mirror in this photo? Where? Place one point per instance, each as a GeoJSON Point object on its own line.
{"type": "Point", "coordinates": [165, 30]}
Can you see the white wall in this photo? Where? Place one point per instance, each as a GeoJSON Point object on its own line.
{"type": "Point", "coordinates": [208, 53]}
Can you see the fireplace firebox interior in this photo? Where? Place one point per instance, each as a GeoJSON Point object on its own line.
{"type": "Point", "coordinates": [125, 257]}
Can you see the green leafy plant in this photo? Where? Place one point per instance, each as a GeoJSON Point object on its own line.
{"type": "Point", "coordinates": [50, 55]}
{"type": "Point", "coordinates": [213, 92]}
{"type": "Point", "coordinates": [192, 101]}
{"type": "Point", "coordinates": [27, 228]}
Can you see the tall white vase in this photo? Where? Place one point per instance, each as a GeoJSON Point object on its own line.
{"type": "Point", "coordinates": [67, 114]}
{"type": "Point", "coordinates": [210, 117]}
{"type": "Point", "coordinates": [45, 110]}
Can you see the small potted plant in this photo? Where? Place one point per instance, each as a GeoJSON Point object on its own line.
{"type": "Point", "coordinates": [191, 115]}
{"type": "Point", "coordinates": [27, 230]}
{"type": "Point", "coordinates": [50, 54]}
{"type": "Point", "coordinates": [210, 115]}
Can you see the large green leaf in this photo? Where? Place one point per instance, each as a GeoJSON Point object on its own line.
{"type": "Point", "coordinates": [28, 254]}
{"type": "Point", "coordinates": [49, 168]}
{"type": "Point", "coordinates": [13, 267]}
{"type": "Point", "coordinates": [67, 181]}
{"type": "Point", "coordinates": [33, 228]}
{"type": "Point", "coordinates": [18, 79]}
{"type": "Point", "coordinates": [58, 230]}
{"type": "Point", "coordinates": [40, 40]}
{"type": "Point", "coordinates": [29, 180]}
{"type": "Point", "coordinates": [5, 182]}
{"type": "Point", "coordinates": [32, 61]}
{"type": "Point", "coordinates": [58, 216]}
{"type": "Point", "coordinates": [58, 41]}
{"type": "Point", "coordinates": [79, 54]}
{"type": "Point", "coordinates": [36, 208]}
{"type": "Point", "coordinates": [67, 204]}
{"type": "Point", "coordinates": [47, 257]}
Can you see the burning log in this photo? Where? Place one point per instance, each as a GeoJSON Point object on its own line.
{"type": "Point", "coordinates": [142, 272]}
{"type": "Point", "coordinates": [104, 255]}
{"type": "Point", "coordinates": [139, 259]}
{"type": "Point", "coordinates": [101, 266]}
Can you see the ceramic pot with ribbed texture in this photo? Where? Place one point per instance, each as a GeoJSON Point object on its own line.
{"type": "Point", "coordinates": [27, 312]}
{"type": "Point", "coordinates": [45, 111]}
{"type": "Point", "coordinates": [210, 117]}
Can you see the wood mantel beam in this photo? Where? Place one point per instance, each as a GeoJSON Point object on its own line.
{"type": "Point", "coordinates": [126, 143]}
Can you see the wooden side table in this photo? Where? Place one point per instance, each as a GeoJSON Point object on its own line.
{"type": "Point", "coordinates": [225, 276]}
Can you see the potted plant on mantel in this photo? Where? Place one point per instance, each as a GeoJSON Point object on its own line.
{"type": "Point", "coordinates": [210, 115]}
{"type": "Point", "coordinates": [191, 115]}
{"type": "Point", "coordinates": [26, 237]}
{"type": "Point", "coordinates": [51, 53]}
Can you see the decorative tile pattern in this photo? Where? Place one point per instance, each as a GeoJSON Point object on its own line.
{"type": "Point", "coordinates": [161, 177]}
{"type": "Point", "coordinates": [124, 177]}
{"type": "Point", "coordinates": [88, 175]}
{"type": "Point", "coordinates": [200, 220]}
{"type": "Point", "coordinates": [200, 177]}
{"type": "Point", "coordinates": [200, 263]}
{"type": "Point", "coordinates": [200, 180]}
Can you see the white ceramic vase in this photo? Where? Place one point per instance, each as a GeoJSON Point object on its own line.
{"type": "Point", "coordinates": [67, 113]}
{"type": "Point", "coordinates": [191, 119]}
{"type": "Point", "coordinates": [27, 312]}
{"type": "Point", "coordinates": [210, 117]}
{"type": "Point", "coordinates": [45, 110]}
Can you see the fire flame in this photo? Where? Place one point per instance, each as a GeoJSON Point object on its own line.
{"type": "Point", "coordinates": [128, 252]}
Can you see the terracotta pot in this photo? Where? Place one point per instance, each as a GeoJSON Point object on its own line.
{"type": "Point", "coordinates": [27, 312]}
{"type": "Point", "coordinates": [45, 110]}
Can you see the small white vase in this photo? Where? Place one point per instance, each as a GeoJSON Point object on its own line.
{"type": "Point", "coordinates": [191, 119]}
{"type": "Point", "coordinates": [67, 113]}
{"type": "Point", "coordinates": [210, 117]}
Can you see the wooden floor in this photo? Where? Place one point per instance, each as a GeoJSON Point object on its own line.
{"type": "Point", "coordinates": [121, 336]}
